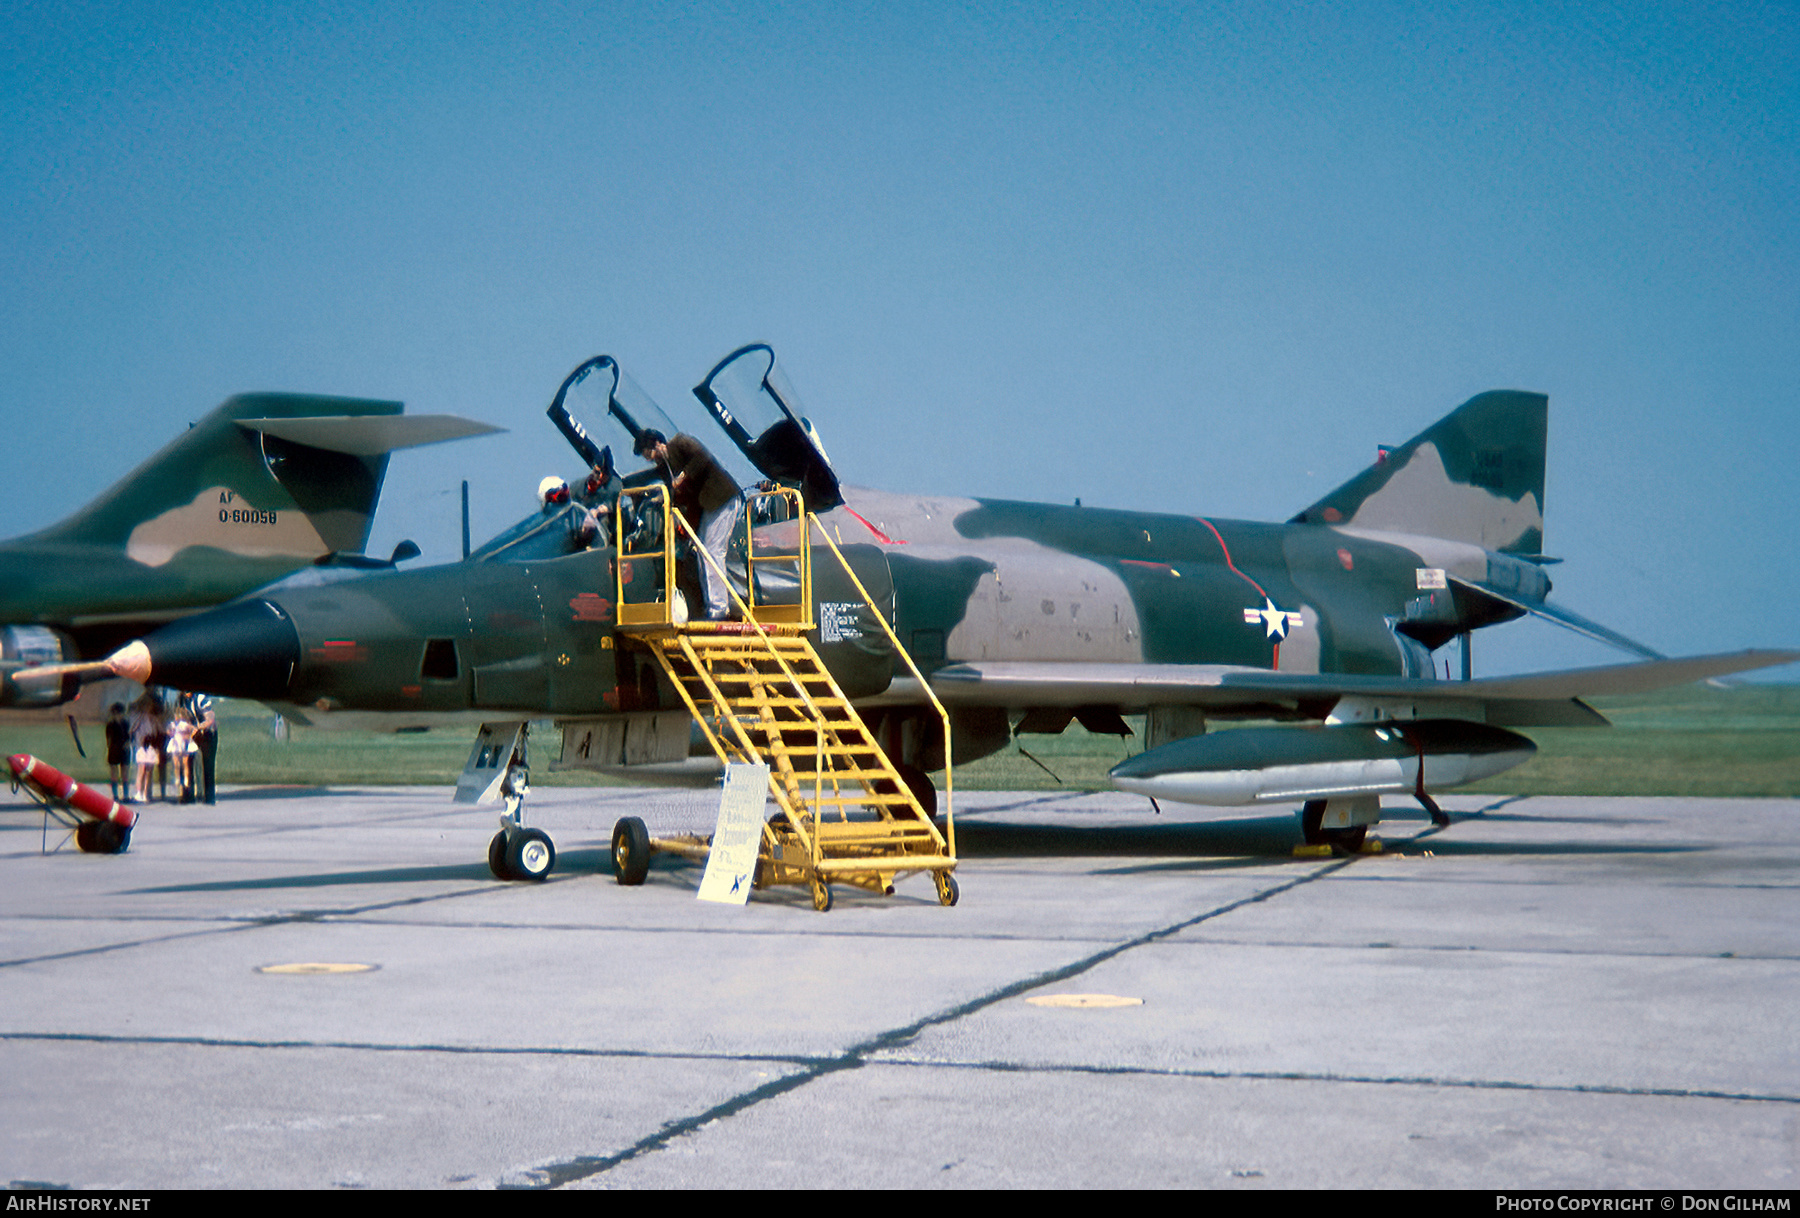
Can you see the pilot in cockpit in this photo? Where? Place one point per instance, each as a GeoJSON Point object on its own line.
{"type": "Point", "coordinates": [603, 483]}
{"type": "Point", "coordinates": [588, 516]}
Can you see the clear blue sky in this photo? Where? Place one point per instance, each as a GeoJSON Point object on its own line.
{"type": "Point", "coordinates": [1183, 257]}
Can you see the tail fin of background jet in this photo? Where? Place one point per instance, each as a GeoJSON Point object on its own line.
{"type": "Point", "coordinates": [264, 475]}
{"type": "Point", "coordinates": [1476, 475]}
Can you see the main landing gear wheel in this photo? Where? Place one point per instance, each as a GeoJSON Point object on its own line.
{"type": "Point", "coordinates": [919, 783]}
{"type": "Point", "coordinates": [530, 854]}
{"type": "Point", "coordinates": [497, 857]}
{"type": "Point", "coordinates": [631, 851]}
{"type": "Point", "coordinates": [946, 886]}
{"type": "Point", "coordinates": [1312, 827]}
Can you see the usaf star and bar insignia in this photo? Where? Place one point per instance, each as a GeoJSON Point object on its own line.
{"type": "Point", "coordinates": [1275, 622]}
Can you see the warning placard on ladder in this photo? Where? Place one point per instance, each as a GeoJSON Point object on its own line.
{"type": "Point", "coordinates": [731, 866]}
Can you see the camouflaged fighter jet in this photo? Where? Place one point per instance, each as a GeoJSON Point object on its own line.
{"type": "Point", "coordinates": [265, 484]}
{"type": "Point", "coordinates": [1023, 617]}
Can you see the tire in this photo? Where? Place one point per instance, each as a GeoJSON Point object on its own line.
{"type": "Point", "coordinates": [947, 890]}
{"type": "Point", "coordinates": [102, 837]}
{"type": "Point", "coordinates": [821, 895]}
{"type": "Point", "coordinates": [919, 783]}
{"type": "Point", "coordinates": [497, 857]}
{"type": "Point", "coordinates": [530, 854]}
{"type": "Point", "coordinates": [630, 851]}
{"type": "Point", "coordinates": [1312, 828]}
{"type": "Point", "coordinates": [1312, 817]}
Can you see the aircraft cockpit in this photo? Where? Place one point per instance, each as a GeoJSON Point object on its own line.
{"type": "Point", "coordinates": [580, 517]}
{"type": "Point", "coordinates": [746, 394]}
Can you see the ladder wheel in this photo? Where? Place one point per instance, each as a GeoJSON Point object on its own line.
{"type": "Point", "coordinates": [947, 889]}
{"type": "Point", "coordinates": [630, 851]}
{"type": "Point", "coordinates": [821, 894]}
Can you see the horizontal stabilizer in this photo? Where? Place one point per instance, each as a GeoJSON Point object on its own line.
{"type": "Point", "coordinates": [1566, 618]}
{"type": "Point", "coordinates": [370, 435]}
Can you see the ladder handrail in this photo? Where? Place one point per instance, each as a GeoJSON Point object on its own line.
{"type": "Point", "coordinates": [944, 715]}
{"type": "Point", "coordinates": [748, 615]}
{"type": "Point", "coordinates": [665, 554]}
{"type": "Point", "coordinates": [801, 558]}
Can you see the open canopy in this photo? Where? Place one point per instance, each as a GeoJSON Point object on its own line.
{"type": "Point", "coordinates": [753, 402]}
{"type": "Point", "coordinates": [600, 388]}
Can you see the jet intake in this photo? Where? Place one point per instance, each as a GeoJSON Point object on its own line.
{"type": "Point", "coordinates": [1285, 764]}
{"type": "Point", "coordinates": [27, 646]}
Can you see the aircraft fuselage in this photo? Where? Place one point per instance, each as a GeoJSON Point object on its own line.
{"type": "Point", "coordinates": [962, 580]}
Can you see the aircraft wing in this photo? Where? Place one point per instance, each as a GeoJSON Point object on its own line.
{"type": "Point", "coordinates": [370, 435]}
{"type": "Point", "coordinates": [1536, 699]}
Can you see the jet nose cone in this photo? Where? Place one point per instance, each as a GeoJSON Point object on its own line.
{"type": "Point", "coordinates": [244, 650]}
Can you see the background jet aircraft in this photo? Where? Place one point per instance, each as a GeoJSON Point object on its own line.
{"type": "Point", "coordinates": [1023, 617]}
{"type": "Point", "coordinates": [265, 484]}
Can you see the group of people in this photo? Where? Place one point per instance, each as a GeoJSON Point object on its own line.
{"type": "Point", "coordinates": [160, 737]}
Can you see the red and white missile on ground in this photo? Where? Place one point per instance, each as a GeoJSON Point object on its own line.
{"type": "Point", "coordinates": [58, 785]}
{"type": "Point", "coordinates": [102, 825]}
{"type": "Point", "coordinates": [1250, 766]}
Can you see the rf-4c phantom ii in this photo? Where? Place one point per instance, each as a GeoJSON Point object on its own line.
{"type": "Point", "coordinates": [1021, 617]}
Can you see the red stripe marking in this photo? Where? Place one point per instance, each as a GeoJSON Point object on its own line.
{"type": "Point", "coordinates": [1275, 659]}
{"type": "Point", "coordinates": [885, 539]}
{"type": "Point", "coordinates": [1227, 552]}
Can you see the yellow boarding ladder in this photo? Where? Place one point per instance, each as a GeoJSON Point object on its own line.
{"type": "Point", "coordinates": [760, 693]}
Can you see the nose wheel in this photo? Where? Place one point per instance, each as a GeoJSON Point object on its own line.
{"type": "Point", "coordinates": [521, 854]}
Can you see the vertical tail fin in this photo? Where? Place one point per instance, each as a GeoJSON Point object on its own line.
{"type": "Point", "coordinates": [231, 483]}
{"type": "Point", "coordinates": [1476, 475]}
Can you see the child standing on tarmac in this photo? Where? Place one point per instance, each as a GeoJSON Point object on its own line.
{"type": "Point", "coordinates": [181, 754]}
{"type": "Point", "coordinates": [146, 731]}
{"type": "Point", "coordinates": [118, 752]}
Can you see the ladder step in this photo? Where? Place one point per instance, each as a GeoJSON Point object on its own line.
{"type": "Point", "coordinates": [771, 699]}
{"type": "Point", "coordinates": [858, 800]}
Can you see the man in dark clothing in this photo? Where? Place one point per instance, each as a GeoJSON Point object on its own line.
{"type": "Point", "coordinates": [206, 735]}
{"type": "Point", "coordinates": [696, 479]}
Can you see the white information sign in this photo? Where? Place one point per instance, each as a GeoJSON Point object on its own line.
{"type": "Point", "coordinates": [731, 865]}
